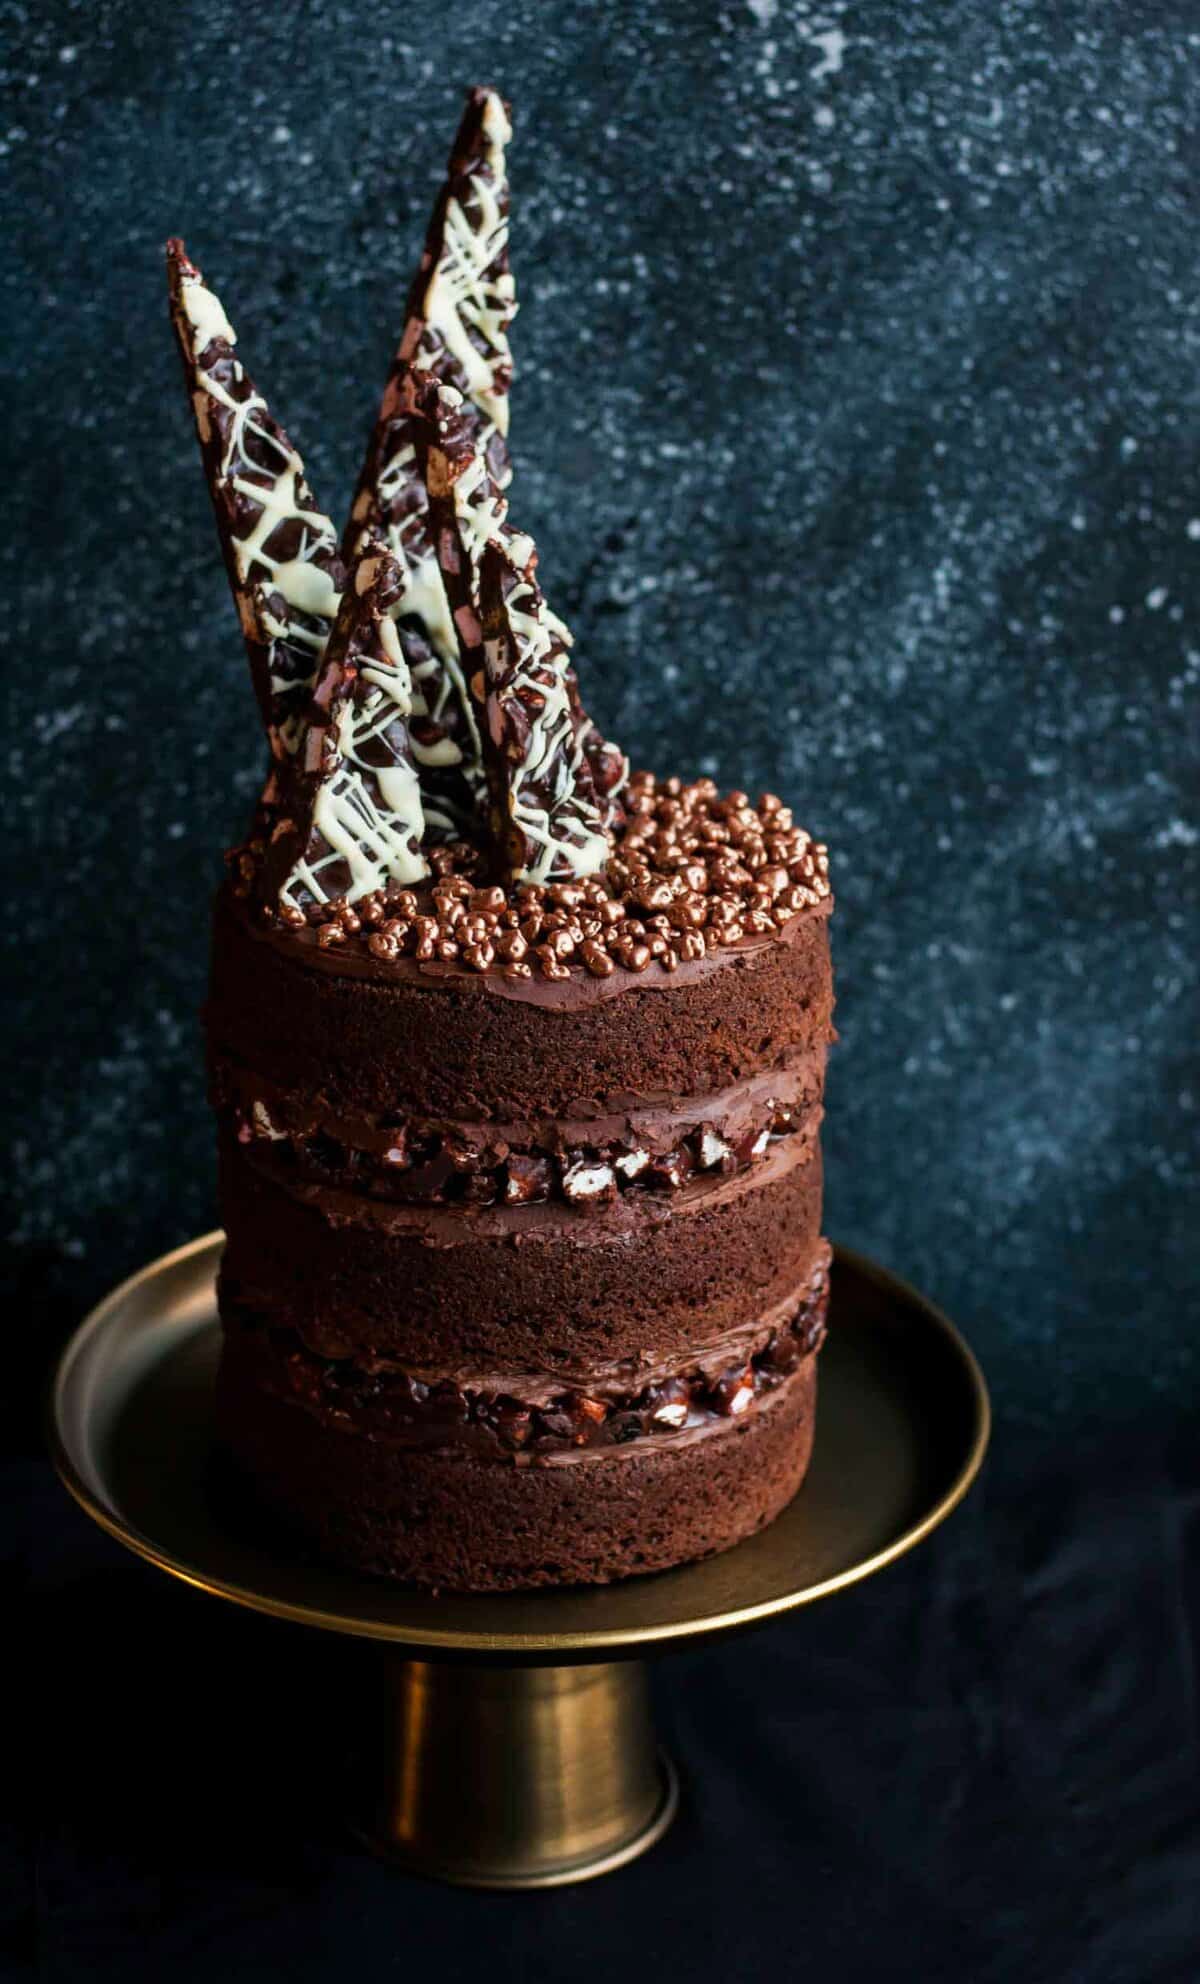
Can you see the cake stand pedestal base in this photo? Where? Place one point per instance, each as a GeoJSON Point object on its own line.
{"type": "Point", "coordinates": [516, 1747]}
{"type": "Point", "coordinates": [512, 1776]}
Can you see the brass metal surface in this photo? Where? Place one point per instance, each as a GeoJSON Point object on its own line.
{"type": "Point", "coordinates": [516, 1776]}
{"type": "Point", "coordinates": [524, 1755]}
{"type": "Point", "coordinates": [902, 1426]}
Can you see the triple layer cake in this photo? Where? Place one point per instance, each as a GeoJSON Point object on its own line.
{"type": "Point", "coordinates": [517, 1057]}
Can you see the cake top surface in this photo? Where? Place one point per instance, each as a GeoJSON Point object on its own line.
{"type": "Point", "coordinates": [438, 796]}
{"type": "Point", "coordinates": [691, 873]}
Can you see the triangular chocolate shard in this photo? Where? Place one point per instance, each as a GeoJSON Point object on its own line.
{"type": "Point", "coordinates": [551, 823]}
{"type": "Point", "coordinates": [280, 552]}
{"type": "Point", "coordinates": [552, 778]}
{"type": "Point", "coordinates": [456, 327]}
{"type": "Point", "coordinates": [466, 505]}
{"type": "Point", "coordinates": [348, 806]}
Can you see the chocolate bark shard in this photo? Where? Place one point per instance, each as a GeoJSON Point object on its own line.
{"type": "Point", "coordinates": [466, 505]}
{"type": "Point", "coordinates": [551, 823]}
{"type": "Point", "coordinates": [552, 778]}
{"type": "Point", "coordinates": [350, 817]}
{"type": "Point", "coordinates": [280, 551]}
{"type": "Point", "coordinates": [456, 327]}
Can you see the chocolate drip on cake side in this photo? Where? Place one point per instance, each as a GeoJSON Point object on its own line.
{"type": "Point", "coordinates": [350, 817]}
{"type": "Point", "coordinates": [552, 779]}
{"type": "Point", "coordinates": [280, 551]}
{"type": "Point", "coordinates": [456, 324]}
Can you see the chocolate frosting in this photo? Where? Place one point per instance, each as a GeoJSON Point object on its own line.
{"type": "Point", "coordinates": [623, 1143]}
{"type": "Point", "coordinates": [356, 961]}
{"type": "Point", "coordinates": [631, 1213]}
{"type": "Point", "coordinates": [531, 1416]}
{"type": "Point", "coordinates": [656, 1118]}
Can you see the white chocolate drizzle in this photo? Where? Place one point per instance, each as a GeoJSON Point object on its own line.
{"type": "Point", "coordinates": [552, 777]}
{"type": "Point", "coordinates": [282, 551]}
{"type": "Point", "coordinates": [469, 298]}
{"type": "Point", "coordinates": [204, 314]}
{"type": "Point", "coordinates": [459, 310]}
{"type": "Point", "coordinates": [360, 815]}
{"type": "Point", "coordinates": [553, 823]}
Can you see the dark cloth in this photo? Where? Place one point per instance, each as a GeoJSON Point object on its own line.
{"type": "Point", "coordinates": [979, 1765]}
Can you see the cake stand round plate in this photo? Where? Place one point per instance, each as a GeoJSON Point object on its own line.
{"type": "Point", "coordinates": [545, 1685]}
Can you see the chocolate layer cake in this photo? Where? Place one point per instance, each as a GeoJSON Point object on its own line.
{"type": "Point", "coordinates": [517, 1059]}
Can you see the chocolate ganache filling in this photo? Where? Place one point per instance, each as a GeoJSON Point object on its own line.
{"type": "Point", "coordinates": [587, 1161]}
{"type": "Point", "coordinates": [380, 1400]}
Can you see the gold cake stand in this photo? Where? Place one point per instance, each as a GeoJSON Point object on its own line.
{"type": "Point", "coordinates": [517, 1746]}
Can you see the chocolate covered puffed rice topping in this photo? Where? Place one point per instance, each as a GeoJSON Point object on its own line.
{"type": "Point", "coordinates": [691, 872]}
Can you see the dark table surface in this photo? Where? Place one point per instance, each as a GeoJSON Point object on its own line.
{"type": "Point", "coordinates": [981, 1765]}
{"type": "Point", "coordinates": [858, 420]}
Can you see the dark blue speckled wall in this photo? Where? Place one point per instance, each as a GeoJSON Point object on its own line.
{"type": "Point", "coordinates": [859, 420]}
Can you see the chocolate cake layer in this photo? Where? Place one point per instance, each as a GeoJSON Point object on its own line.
{"type": "Point", "coordinates": [524, 1276]}
{"type": "Point", "coordinates": [450, 1518]}
{"type": "Point", "coordinates": [542, 1287]}
{"type": "Point", "coordinates": [522, 1414]}
{"type": "Point", "coordinates": [433, 1040]}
